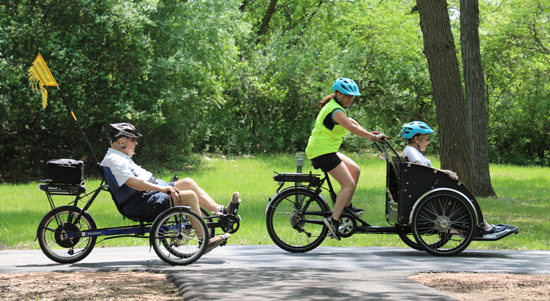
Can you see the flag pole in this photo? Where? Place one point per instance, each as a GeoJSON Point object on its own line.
{"type": "Point", "coordinates": [40, 76]}
{"type": "Point", "coordinates": [75, 120]}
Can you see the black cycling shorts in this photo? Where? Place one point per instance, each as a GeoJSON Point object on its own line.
{"type": "Point", "coordinates": [326, 162]}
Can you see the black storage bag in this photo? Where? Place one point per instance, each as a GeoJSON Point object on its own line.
{"type": "Point", "coordinates": [65, 171]}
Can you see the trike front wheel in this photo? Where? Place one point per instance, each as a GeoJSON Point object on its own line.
{"type": "Point", "coordinates": [179, 236]}
{"type": "Point", "coordinates": [54, 239]}
{"type": "Point", "coordinates": [294, 221]}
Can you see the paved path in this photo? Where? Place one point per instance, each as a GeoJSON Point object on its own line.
{"type": "Point", "coordinates": [268, 273]}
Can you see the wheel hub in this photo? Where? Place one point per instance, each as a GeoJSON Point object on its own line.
{"type": "Point", "coordinates": [296, 220]}
{"type": "Point", "coordinates": [60, 235]}
{"type": "Point", "coordinates": [442, 223]}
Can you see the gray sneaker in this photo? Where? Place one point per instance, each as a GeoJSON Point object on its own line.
{"type": "Point", "coordinates": [333, 228]}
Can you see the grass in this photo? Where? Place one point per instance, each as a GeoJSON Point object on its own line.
{"type": "Point", "coordinates": [522, 200]}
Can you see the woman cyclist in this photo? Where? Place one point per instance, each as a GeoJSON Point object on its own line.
{"type": "Point", "coordinates": [331, 125]}
{"type": "Point", "coordinates": [418, 135]}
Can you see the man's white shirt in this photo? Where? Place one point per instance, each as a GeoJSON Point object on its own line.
{"type": "Point", "coordinates": [122, 165]}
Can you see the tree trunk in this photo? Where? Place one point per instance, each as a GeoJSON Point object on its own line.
{"type": "Point", "coordinates": [440, 52]}
{"type": "Point", "coordinates": [267, 17]}
{"type": "Point", "coordinates": [475, 96]}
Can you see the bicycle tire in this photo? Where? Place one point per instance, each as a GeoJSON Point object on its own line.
{"type": "Point", "coordinates": [51, 232]}
{"type": "Point", "coordinates": [443, 224]}
{"type": "Point", "coordinates": [292, 222]}
{"type": "Point", "coordinates": [409, 240]}
{"type": "Point", "coordinates": [175, 240]}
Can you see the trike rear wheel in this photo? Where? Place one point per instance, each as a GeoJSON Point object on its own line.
{"type": "Point", "coordinates": [293, 220]}
{"type": "Point", "coordinates": [408, 239]}
{"type": "Point", "coordinates": [52, 232]}
{"type": "Point", "coordinates": [179, 236]}
{"type": "Point", "coordinates": [444, 223]}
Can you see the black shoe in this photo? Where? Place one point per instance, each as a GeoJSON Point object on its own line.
{"type": "Point", "coordinates": [332, 226]}
{"type": "Point", "coordinates": [355, 210]}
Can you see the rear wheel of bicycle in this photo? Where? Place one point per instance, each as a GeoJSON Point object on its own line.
{"type": "Point", "coordinates": [444, 223]}
{"type": "Point", "coordinates": [52, 234]}
{"type": "Point", "coordinates": [294, 222]}
{"type": "Point", "coordinates": [179, 236]}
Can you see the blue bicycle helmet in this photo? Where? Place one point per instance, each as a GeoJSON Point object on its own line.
{"type": "Point", "coordinates": [346, 86]}
{"type": "Point", "coordinates": [415, 127]}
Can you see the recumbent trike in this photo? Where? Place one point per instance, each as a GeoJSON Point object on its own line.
{"type": "Point", "coordinates": [428, 210]}
{"type": "Point", "coordinates": [68, 233]}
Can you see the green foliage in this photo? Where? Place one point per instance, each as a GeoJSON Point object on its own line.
{"type": "Point", "coordinates": [215, 76]}
{"type": "Point", "coordinates": [515, 47]}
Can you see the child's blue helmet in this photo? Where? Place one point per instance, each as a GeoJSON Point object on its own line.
{"type": "Point", "coordinates": [416, 127]}
{"type": "Point", "coordinates": [346, 86]}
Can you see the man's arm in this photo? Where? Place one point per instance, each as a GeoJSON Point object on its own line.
{"type": "Point", "coordinates": [141, 185]}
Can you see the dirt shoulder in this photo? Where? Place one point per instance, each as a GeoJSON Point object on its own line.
{"type": "Point", "coordinates": [481, 287]}
{"type": "Point", "coordinates": [88, 286]}
{"type": "Point", "coordinates": [156, 287]}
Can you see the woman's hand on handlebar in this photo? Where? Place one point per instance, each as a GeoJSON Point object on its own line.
{"type": "Point", "coordinates": [377, 137]}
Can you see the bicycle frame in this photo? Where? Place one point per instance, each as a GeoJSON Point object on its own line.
{"type": "Point", "coordinates": [316, 184]}
{"type": "Point", "coordinates": [116, 232]}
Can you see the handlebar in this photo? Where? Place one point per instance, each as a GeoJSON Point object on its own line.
{"type": "Point", "coordinates": [385, 141]}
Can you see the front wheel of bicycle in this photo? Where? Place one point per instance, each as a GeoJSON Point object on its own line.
{"type": "Point", "coordinates": [179, 236]}
{"type": "Point", "coordinates": [294, 222]}
{"type": "Point", "coordinates": [56, 227]}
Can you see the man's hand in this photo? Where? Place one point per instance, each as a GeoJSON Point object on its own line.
{"type": "Point", "coordinates": [169, 190]}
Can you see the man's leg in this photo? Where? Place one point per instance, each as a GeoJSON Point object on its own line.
{"type": "Point", "coordinates": [203, 198]}
{"type": "Point", "coordinates": [190, 198]}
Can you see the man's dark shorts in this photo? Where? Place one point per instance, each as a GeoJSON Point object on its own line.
{"type": "Point", "coordinates": [326, 162]}
{"type": "Point", "coordinates": [152, 203]}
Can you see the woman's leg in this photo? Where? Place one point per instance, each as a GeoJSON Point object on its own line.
{"type": "Point", "coordinates": [354, 170]}
{"type": "Point", "coordinates": [343, 176]}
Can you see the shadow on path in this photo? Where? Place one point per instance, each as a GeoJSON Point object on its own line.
{"type": "Point", "coordinates": [298, 284]}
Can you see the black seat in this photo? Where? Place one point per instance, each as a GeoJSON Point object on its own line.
{"type": "Point", "coordinates": [111, 182]}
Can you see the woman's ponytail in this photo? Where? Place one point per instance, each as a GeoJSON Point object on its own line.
{"type": "Point", "coordinates": [325, 100]}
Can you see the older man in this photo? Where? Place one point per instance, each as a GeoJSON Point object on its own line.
{"type": "Point", "coordinates": [138, 193]}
